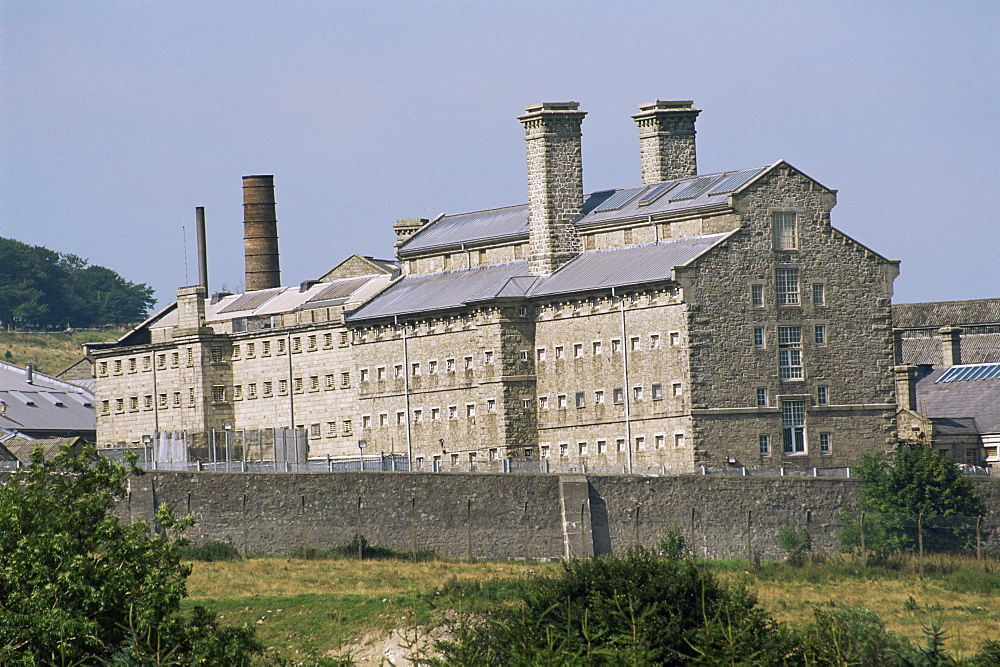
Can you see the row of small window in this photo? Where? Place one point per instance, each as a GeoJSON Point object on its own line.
{"type": "Point", "coordinates": [118, 366]}
{"type": "Point", "coordinates": [601, 446]}
{"type": "Point", "coordinates": [346, 428]}
{"type": "Point", "coordinates": [249, 350]}
{"type": "Point", "coordinates": [163, 401]}
{"type": "Point", "coordinates": [597, 346]}
{"type": "Point", "coordinates": [433, 414]}
{"type": "Point", "coordinates": [433, 367]}
{"type": "Point", "coordinates": [822, 396]}
{"type": "Point", "coordinates": [298, 386]}
{"type": "Point", "coordinates": [786, 288]}
{"type": "Point", "coordinates": [793, 442]}
{"type": "Point", "coordinates": [617, 396]}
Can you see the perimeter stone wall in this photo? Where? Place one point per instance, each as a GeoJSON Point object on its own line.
{"type": "Point", "coordinates": [502, 516]}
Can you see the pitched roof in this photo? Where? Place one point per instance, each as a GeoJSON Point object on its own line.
{"type": "Point", "coordinates": [978, 399]}
{"type": "Point", "coordinates": [44, 405]}
{"type": "Point", "coordinates": [945, 313]}
{"type": "Point", "coordinates": [19, 447]}
{"type": "Point", "coordinates": [592, 270]}
{"type": "Point", "coordinates": [508, 223]}
{"type": "Point", "coordinates": [977, 348]}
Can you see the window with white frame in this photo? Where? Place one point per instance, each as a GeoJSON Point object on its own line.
{"type": "Point", "coordinates": [470, 410]}
{"type": "Point", "coordinates": [488, 356]}
{"type": "Point", "coordinates": [786, 233]}
{"type": "Point", "coordinates": [819, 294]}
{"type": "Point", "coordinates": [678, 389]}
{"type": "Point", "coordinates": [380, 373]}
{"type": "Point", "coordinates": [786, 282]}
{"type": "Point", "coordinates": [618, 395]}
{"type": "Point", "coordinates": [582, 448]}
{"type": "Point", "coordinates": [634, 344]}
{"type": "Point", "coordinates": [397, 371]}
{"type": "Point", "coordinates": [544, 449]}
{"type": "Point", "coordinates": [660, 441]}
{"type": "Point", "coordinates": [824, 443]}
{"type": "Point", "coordinates": [364, 375]}
{"type": "Point", "coordinates": [524, 355]}
{"type": "Point", "coordinates": [616, 346]}
{"type": "Point", "coordinates": [637, 392]}
{"type": "Point", "coordinates": [819, 335]}
{"type": "Point", "coordinates": [540, 354]}
{"type": "Point", "coordinates": [793, 427]}
{"type": "Point", "coordinates": [620, 444]}
{"type": "Point", "coordinates": [790, 353]}
{"type": "Point", "coordinates": [764, 442]}
{"type": "Point", "coordinates": [757, 296]}
{"type": "Point", "coordinates": [400, 418]}
{"type": "Point", "coordinates": [432, 366]}
{"type": "Point", "coordinates": [656, 391]}
{"type": "Point", "coordinates": [449, 365]}
{"type": "Point", "coordinates": [559, 352]}
{"type": "Point", "coordinates": [758, 337]}
{"type": "Point", "coordinates": [543, 402]}
{"type": "Point", "coordinates": [468, 363]}
{"type": "Point", "coordinates": [383, 419]}
{"type": "Point", "coordinates": [761, 397]}
{"type": "Point", "coordinates": [491, 405]}
{"type": "Point", "coordinates": [418, 416]}
{"type": "Point", "coordinates": [597, 348]}
{"type": "Point", "coordinates": [577, 350]}
{"type": "Point", "coordinates": [563, 449]}
{"type": "Point", "coordinates": [678, 440]}
{"type": "Point", "coordinates": [561, 401]}
{"type": "Point", "coordinates": [435, 414]}
{"type": "Point", "coordinates": [598, 397]}
{"type": "Point", "coordinates": [640, 443]}
{"type": "Point", "coordinates": [654, 341]}
{"type": "Point", "coordinates": [366, 421]}
{"type": "Point", "coordinates": [452, 412]}
{"type": "Point", "coordinates": [675, 338]}
{"type": "Point", "coordinates": [415, 369]}
{"type": "Point", "coordinates": [581, 399]}
{"type": "Point", "coordinates": [822, 395]}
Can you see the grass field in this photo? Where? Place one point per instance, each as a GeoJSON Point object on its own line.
{"type": "Point", "coordinates": [51, 352]}
{"type": "Point", "coordinates": [304, 609]}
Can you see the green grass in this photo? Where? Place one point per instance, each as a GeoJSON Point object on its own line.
{"type": "Point", "coordinates": [51, 352]}
{"type": "Point", "coordinates": [305, 609]}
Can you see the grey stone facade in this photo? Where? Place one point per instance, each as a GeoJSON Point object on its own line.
{"type": "Point", "coordinates": [714, 320]}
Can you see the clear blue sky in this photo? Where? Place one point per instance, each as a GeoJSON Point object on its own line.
{"type": "Point", "coordinates": [117, 119]}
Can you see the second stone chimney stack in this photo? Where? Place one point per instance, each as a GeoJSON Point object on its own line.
{"type": "Point", "coordinates": [555, 183]}
{"type": "Point", "coordinates": [666, 140]}
{"type": "Point", "coordinates": [951, 345]}
{"type": "Point", "coordinates": [260, 234]}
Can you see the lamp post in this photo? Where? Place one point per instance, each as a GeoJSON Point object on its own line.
{"type": "Point", "coordinates": [361, 454]}
{"type": "Point", "coordinates": [147, 440]}
{"type": "Point", "coordinates": [227, 428]}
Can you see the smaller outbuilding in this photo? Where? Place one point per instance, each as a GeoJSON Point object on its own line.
{"type": "Point", "coordinates": [35, 405]}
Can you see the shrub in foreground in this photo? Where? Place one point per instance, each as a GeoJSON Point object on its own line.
{"type": "Point", "coordinates": [637, 609]}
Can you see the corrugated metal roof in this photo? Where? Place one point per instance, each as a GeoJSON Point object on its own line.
{"type": "Point", "coordinates": [439, 291]}
{"type": "Point", "coordinates": [594, 270]}
{"type": "Point", "coordinates": [47, 404]}
{"type": "Point", "coordinates": [945, 313]}
{"type": "Point", "coordinates": [497, 223]}
{"type": "Point", "coordinates": [512, 222]}
{"type": "Point", "coordinates": [340, 289]}
{"type": "Point", "coordinates": [620, 267]}
{"type": "Point", "coordinates": [252, 300]}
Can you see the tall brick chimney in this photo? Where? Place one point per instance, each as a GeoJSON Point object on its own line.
{"type": "Point", "coordinates": [666, 140]}
{"type": "Point", "coordinates": [555, 183]}
{"type": "Point", "coordinates": [260, 234]}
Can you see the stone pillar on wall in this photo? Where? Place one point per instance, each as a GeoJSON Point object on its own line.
{"type": "Point", "coordinates": [906, 386]}
{"type": "Point", "coordinates": [951, 345]}
{"type": "Point", "coordinates": [666, 140]}
{"type": "Point", "coordinates": [555, 183]}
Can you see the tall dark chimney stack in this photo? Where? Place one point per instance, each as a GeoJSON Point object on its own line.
{"type": "Point", "coordinates": [199, 214]}
{"type": "Point", "coordinates": [260, 234]}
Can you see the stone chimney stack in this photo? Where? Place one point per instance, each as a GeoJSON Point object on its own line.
{"type": "Point", "coordinates": [666, 140]}
{"type": "Point", "coordinates": [906, 386]}
{"type": "Point", "coordinates": [555, 183]}
{"type": "Point", "coordinates": [951, 345]}
{"type": "Point", "coordinates": [190, 310]}
{"type": "Point", "coordinates": [260, 234]}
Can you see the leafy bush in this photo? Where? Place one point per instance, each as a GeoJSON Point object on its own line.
{"type": "Point", "coordinates": [672, 544]}
{"type": "Point", "coordinates": [917, 480]}
{"type": "Point", "coordinates": [78, 587]}
{"type": "Point", "coordinates": [849, 635]}
{"type": "Point", "coordinates": [795, 542]}
{"type": "Point", "coordinates": [639, 609]}
{"type": "Point", "coordinates": [209, 552]}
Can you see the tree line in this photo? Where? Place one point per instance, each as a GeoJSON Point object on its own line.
{"type": "Point", "coordinates": [44, 289]}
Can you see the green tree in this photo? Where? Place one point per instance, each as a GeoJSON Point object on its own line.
{"type": "Point", "coordinates": [79, 587]}
{"type": "Point", "coordinates": [915, 480]}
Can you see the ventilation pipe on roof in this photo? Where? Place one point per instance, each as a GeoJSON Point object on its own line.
{"type": "Point", "coordinates": [666, 140]}
{"type": "Point", "coordinates": [260, 234]}
{"type": "Point", "coordinates": [30, 372]}
{"type": "Point", "coordinates": [199, 215]}
{"type": "Point", "coordinates": [555, 183]}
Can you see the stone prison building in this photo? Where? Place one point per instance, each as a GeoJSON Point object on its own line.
{"type": "Point", "coordinates": [693, 319]}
